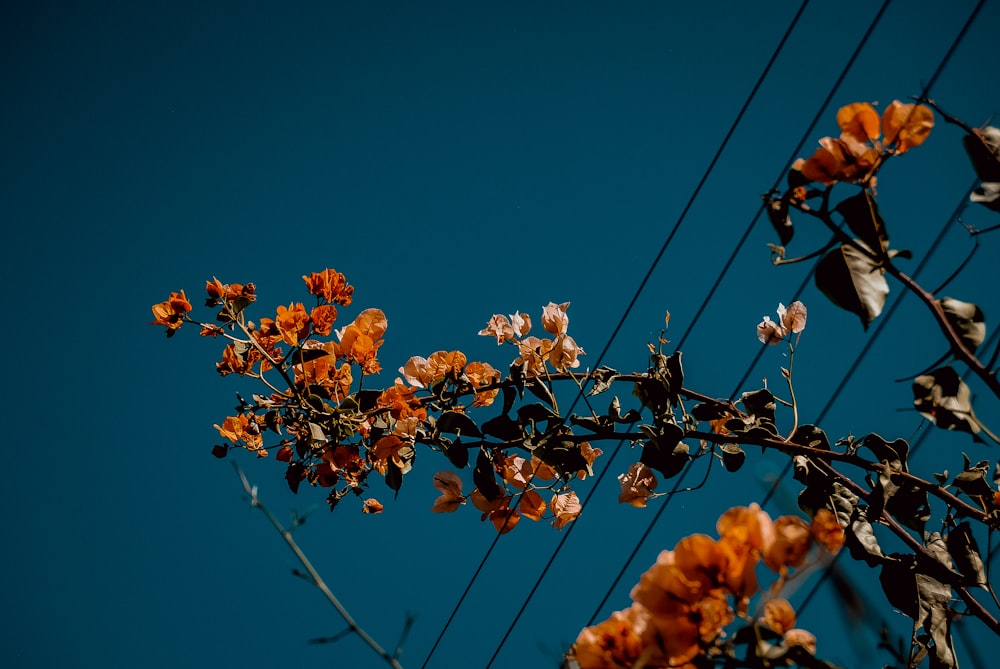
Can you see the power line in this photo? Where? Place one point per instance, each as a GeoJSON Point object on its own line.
{"type": "Point", "coordinates": [879, 328]}
{"type": "Point", "coordinates": [795, 153]}
{"type": "Point", "coordinates": [614, 334]}
{"type": "Point", "coordinates": [942, 64]}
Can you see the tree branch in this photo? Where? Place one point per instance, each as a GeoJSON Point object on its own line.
{"type": "Point", "coordinates": [314, 576]}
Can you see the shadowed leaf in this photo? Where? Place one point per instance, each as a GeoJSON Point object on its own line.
{"type": "Point", "coordinates": [853, 281]}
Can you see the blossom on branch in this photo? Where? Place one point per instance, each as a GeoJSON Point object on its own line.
{"type": "Point", "coordinates": [790, 319]}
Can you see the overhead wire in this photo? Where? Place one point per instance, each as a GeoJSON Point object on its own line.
{"type": "Point", "coordinates": [728, 264]}
{"type": "Point", "coordinates": [946, 58]}
{"type": "Point", "coordinates": [617, 329]}
{"type": "Point", "coordinates": [916, 444]}
{"type": "Point", "coordinates": [690, 327]}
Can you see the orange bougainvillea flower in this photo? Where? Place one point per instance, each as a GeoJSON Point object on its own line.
{"type": "Point", "coordinates": [566, 508]}
{"type": "Point", "coordinates": [532, 505]}
{"type": "Point", "coordinates": [859, 121]}
{"type": "Point", "coordinates": [792, 319]}
{"type": "Point", "coordinates": [331, 285]}
{"type": "Point", "coordinates": [826, 531]}
{"type": "Point", "coordinates": [293, 323]}
{"type": "Point", "coordinates": [637, 485]}
{"type": "Point", "coordinates": [855, 155]}
{"type": "Point", "coordinates": [444, 364]}
{"type": "Point", "coordinates": [242, 429]}
{"type": "Point", "coordinates": [747, 524]}
{"type": "Point", "coordinates": [534, 352]}
{"type": "Point", "coordinates": [906, 125]}
{"type": "Point", "coordinates": [554, 318]}
{"type": "Point", "coordinates": [792, 541]}
{"type": "Point", "coordinates": [451, 497]}
{"type": "Point", "coordinates": [505, 329]}
{"type": "Point", "coordinates": [360, 341]}
{"type": "Point", "coordinates": [372, 505]}
{"type": "Point", "coordinates": [401, 402]}
{"type": "Point", "coordinates": [779, 615]}
{"type": "Point", "coordinates": [417, 372]}
{"type": "Point", "coordinates": [483, 374]}
{"type": "Point", "coordinates": [323, 317]}
{"type": "Point", "coordinates": [626, 639]}
{"type": "Point", "coordinates": [564, 353]}
{"type": "Point", "coordinates": [505, 519]}
{"type": "Point", "coordinates": [171, 312]}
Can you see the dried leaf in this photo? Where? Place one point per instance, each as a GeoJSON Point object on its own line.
{"type": "Point", "coordinates": [944, 399]}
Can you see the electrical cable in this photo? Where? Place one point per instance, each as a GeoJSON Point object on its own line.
{"type": "Point", "coordinates": [942, 64]}
{"type": "Point", "coordinates": [618, 327]}
{"type": "Point", "coordinates": [795, 153]}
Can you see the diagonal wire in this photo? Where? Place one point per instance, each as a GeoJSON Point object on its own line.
{"type": "Point", "coordinates": [795, 153]}
{"type": "Point", "coordinates": [921, 438]}
{"type": "Point", "coordinates": [955, 215]}
{"type": "Point", "coordinates": [883, 320]}
{"type": "Point", "coordinates": [621, 321]}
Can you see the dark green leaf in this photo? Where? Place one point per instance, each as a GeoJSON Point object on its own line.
{"type": "Point", "coordinates": [534, 413]}
{"type": "Point", "coordinates": [812, 437]}
{"type": "Point", "coordinates": [503, 427]}
{"type": "Point", "coordinates": [509, 395]}
{"type": "Point", "coordinates": [457, 453]}
{"type": "Point", "coordinates": [603, 377]}
{"type": "Point", "coordinates": [709, 411]}
{"type": "Point", "coordinates": [968, 321]}
{"type": "Point", "coordinates": [943, 398]}
{"type": "Point", "coordinates": [777, 214]}
{"type": "Point", "coordinates": [733, 457]}
{"type": "Point", "coordinates": [301, 355]}
{"type": "Point", "coordinates": [892, 453]}
{"type": "Point", "coordinates": [485, 478]}
{"type": "Point", "coordinates": [965, 552]}
{"type": "Point", "coordinates": [615, 413]}
{"type": "Point", "coordinates": [861, 214]}
{"type": "Point", "coordinates": [853, 281]}
{"type": "Point", "coordinates": [393, 477]}
{"type": "Point", "coordinates": [983, 148]}
{"type": "Point", "coordinates": [596, 425]}
{"type": "Point", "coordinates": [456, 422]}
{"type": "Point", "coordinates": [666, 453]}
{"type": "Point", "coordinates": [540, 390]}
{"type": "Point", "coordinates": [972, 481]}
{"type": "Point", "coordinates": [861, 540]}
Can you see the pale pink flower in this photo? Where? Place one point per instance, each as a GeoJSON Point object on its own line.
{"type": "Point", "coordinates": [554, 318]}
{"type": "Point", "coordinates": [499, 327]}
{"type": "Point", "coordinates": [564, 353]}
{"type": "Point", "coordinates": [792, 319]}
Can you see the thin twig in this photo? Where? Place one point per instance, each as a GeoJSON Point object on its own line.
{"type": "Point", "coordinates": [313, 575]}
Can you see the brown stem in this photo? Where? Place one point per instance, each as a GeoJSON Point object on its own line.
{"type": "Point", "coordinates": [975, 607]}
{"type": "Point", "coordinates": [314, 576]}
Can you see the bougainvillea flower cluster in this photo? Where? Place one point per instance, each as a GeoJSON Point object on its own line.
{"type": "Point", "coordinates": [865, 139]}
{"type": "Point", "coordinates": [684, 604]}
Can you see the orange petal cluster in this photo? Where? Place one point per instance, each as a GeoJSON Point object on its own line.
{"type": "Point", "coordinates": [684, 602]}
{"type": "Point", "coordinates": [857, 153]}
{"type": "Point", "coordinates": [171, 312]}
{"type": "Point", "coordinates": [330, 285]}
{"type": "Point", "coordinates": [561, 352]}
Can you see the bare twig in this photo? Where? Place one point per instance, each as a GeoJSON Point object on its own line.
{"type": "Point", "coordinates": [313, 575]}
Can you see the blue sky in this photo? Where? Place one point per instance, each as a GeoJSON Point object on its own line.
{"type": "Point", "coordinates": [454, 160]}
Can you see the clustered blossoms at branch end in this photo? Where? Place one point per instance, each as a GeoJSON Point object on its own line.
{"type": "Point", "coordinates": [864, 140]}
{"type": "Point", "coordinates": [561, 352]}
{"type": "Point", "coordinates": [684, 603]}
